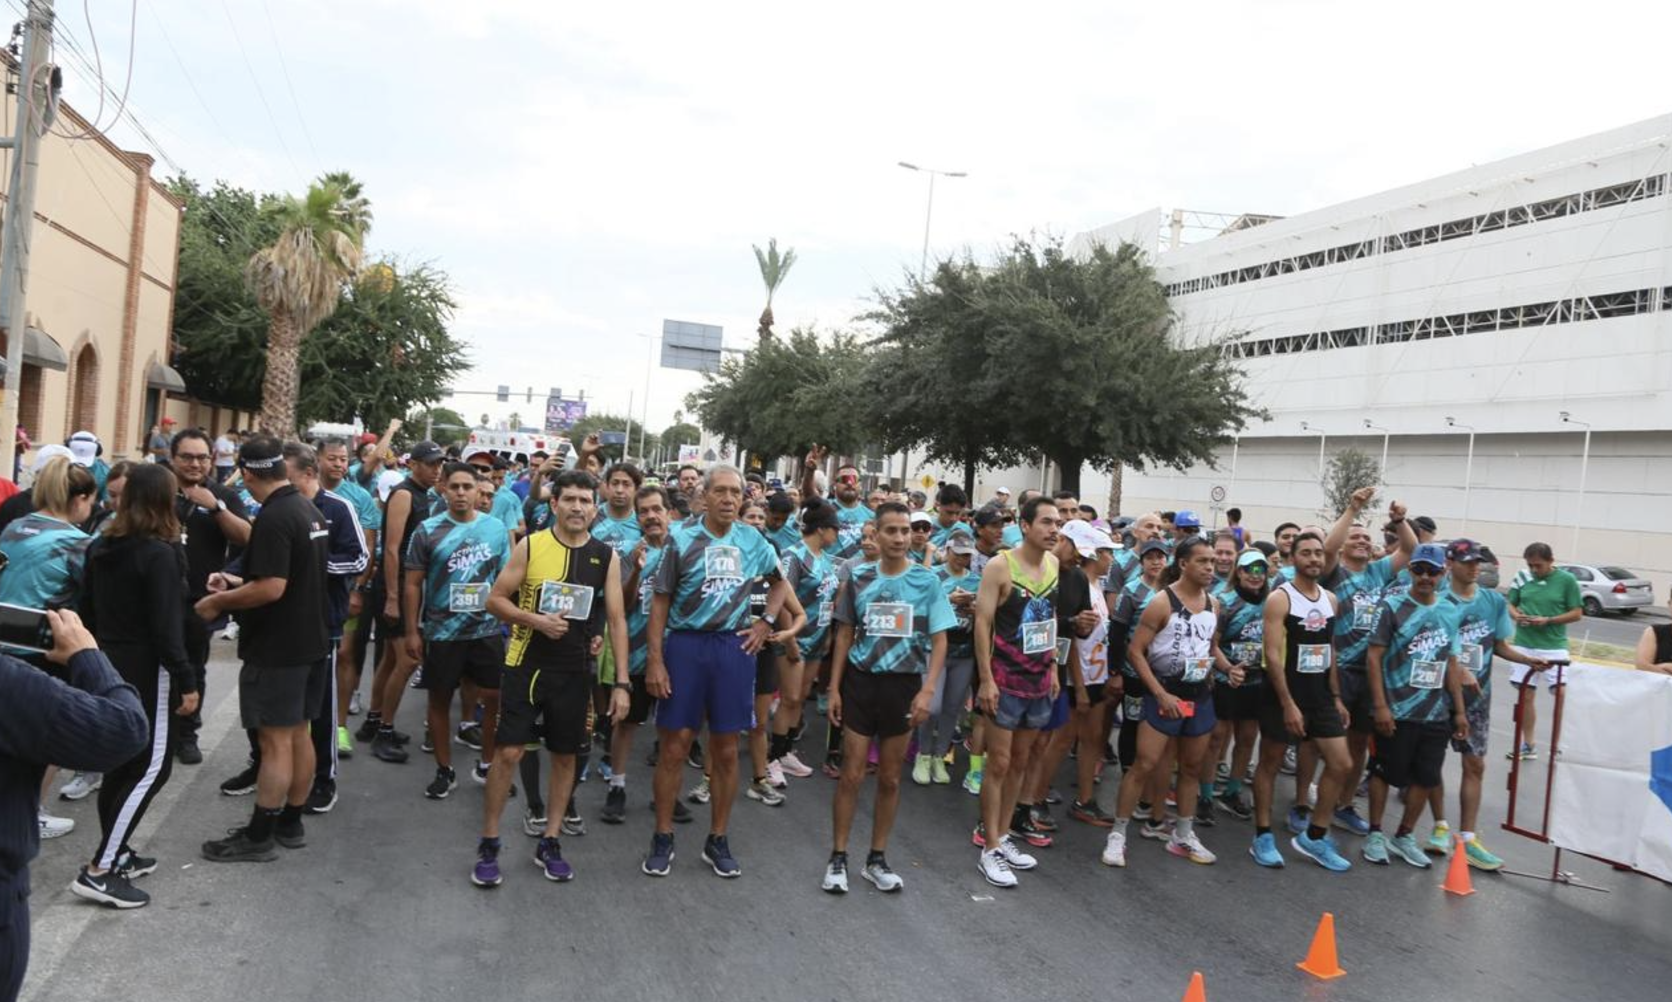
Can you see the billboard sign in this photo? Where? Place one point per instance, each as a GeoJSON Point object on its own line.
{"type": "Point", "coordinates": [690, 346]}
{"type": "Point", "coordinates": [561, 414]}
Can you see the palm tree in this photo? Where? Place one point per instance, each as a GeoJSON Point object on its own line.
{"type": "Point", "coordinates": [774, 267]}
{"type": "Point", "coordinates": [355, 207]}
{"type": "Point", "coordinates": [299, 281]}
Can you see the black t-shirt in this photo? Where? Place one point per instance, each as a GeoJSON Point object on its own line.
{"type": "Point", "coordinates": [1073, 598]}
{"type": "Point", "coordinates": [15, 507]}
{"type": "Point", "coordinates": [289, 541]}
{"type": "Point", "coordinates": [423, 506]}
{"type": "Point", "coordinates": [207, 548]}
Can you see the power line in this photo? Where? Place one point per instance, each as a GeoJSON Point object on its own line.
{"type": "Point", "coordinates": [284, 68]}
{"type": "Point", "coordinates": [259, 92]}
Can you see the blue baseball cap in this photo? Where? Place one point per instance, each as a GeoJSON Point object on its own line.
{"type": "Point", "coordinates": [1432, 554]}
{"type": "Point", "coordinates": [1187, 520]}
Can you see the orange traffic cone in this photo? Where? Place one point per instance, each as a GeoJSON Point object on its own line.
{"type": "Point", "coordinates": [1457, 875]}
{"type": "Point", "coordinates": [1320, 960]}
{"type": "Point", "coordinates": [1198, 991]}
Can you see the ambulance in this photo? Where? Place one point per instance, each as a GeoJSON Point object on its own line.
{"type": "Point", "coordinates": [518, 446]}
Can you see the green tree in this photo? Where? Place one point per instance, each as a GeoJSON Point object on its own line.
{"type": "Point", "coordinates": [679, 433]}
{"type": "Point", "coordinates": [774, 268]}
{"type": "Point", "coordinates": [1346, 472]}
{"type": "Point", "coordinates": [445, 426]}
{"type": "Point", "coordinates": [601, 423]}
{"type": "Point", "coordinates": [786, 395]}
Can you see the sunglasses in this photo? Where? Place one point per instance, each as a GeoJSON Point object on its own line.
{"type": "Point", "coordinates": [481, 469]}
{"type": "Point", "coordinates": [1426, 571]}
{"type": "Point", "coordinates": [847, 480]}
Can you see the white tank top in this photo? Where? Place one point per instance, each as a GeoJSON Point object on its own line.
{"type": "Point", "coordinates": [1094, 649]}
{"type": "Point", "coordinates": [1183, 647]}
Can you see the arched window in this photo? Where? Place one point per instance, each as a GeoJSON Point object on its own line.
{"type": "Point", "coordinates": [84, 391]}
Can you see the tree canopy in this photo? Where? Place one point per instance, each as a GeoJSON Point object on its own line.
{"type": "Point", "coordinates": [787, 394]}
{"type": "Point", "coordinates": [604, 422]}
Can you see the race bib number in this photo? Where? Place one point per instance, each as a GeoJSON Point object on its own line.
{"type": "Point", "coordinates": [1246, 652]}
{"type": "Point", "coordinates": [571, 601]}
{"type": "Point", "coordinates": [1473, 656]}
{"type": "Point", "coordinates": [888, 619]}
{"type": "Point", "coordinates": [467, 597]}
{"type": "Point", "coordinates": [1427, 674]}
{"type": "Point", "coordinates": [1039, 638]}
{"type": "Point", "coordinates": [1062, 651]}
{"type": "Point", "coordinates": [825, 608]}
{"type": "Point", "coordinates": [1312, 659]}
{"type": "Point", "coordinates": [1196, 669]}
{"type": "Point", "coordinates": [1364, 615]}
{"type": "Point", "coordinates": [722, 563]}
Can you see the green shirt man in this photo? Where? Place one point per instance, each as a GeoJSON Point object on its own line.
{"type": "Point", "coordinates": [1542, 604]}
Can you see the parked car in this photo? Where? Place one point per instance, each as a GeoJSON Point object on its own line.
{"type": "Point", "coordinates": [1606, 588]}
{"type": "Point", "coordinates": [1488, 566]}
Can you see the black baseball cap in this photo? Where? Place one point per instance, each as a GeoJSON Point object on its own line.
{"type": "Point", "coordinates": [1424, 523]}
{"type": "Point", "coordinates": [426, 452]}
{"type": "Point", "coordinates": [988, 516]}
{"type": "Point", "coordinates": [1150, 546]}
{"type": "Point", "coordinates": [1465, 551]}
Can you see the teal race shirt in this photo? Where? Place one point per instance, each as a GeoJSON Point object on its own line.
{"type": "Point", "coordinates": [365, 506]}
{"type": "Point", "coordinates": [960, 639]}
{"type": "Point", "coordinates": [1135, 597]}
{"type": "Point", "coordinates": [1242, 631]}
{"type": "Point", "coordinates": [459, 561]}
{"type": "Point", "coordinates": [1483, 621]}
{"type": "Point", "coordinates": [44, 561]}
{"type": "Point", "coordinates": [785, 537]}
{"type": "Point", "coordinates": [623, 534]}
{"type": "Point", "coordinates": [813, 579]}
{"type": "Point", "coordinates": [1012, 536]}
{"type": "Point", "coordinates": [893, 617]}
{"type": "Point", "coordinates": [1359, 598]}
{"type": "Point", "coordinates": [941, 533]}
{"type": "Point", "coordinates": [638, 617]}
{"type": "Point", "coordinates": [850, 526]}
{"type": "Point", "coordinates": [1418, 639]}
{"type": "Point", "coordinates": [1122, 570]}
{"type": "Point", "coordinates": [710, 577]}
{"type": "Point", "coordinates": [507, 507]}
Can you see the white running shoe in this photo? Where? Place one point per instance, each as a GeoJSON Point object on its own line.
{"type": "Point", "coordinates": [1190, 847]}
{"type": "Point", "coordinates": [53, 826]}
{"type": "Point", "coordinates": [775, 775]}
{"type": "Point", "coordinates": [882, 876]}
{"type": "Point", "coordinates": [836, 877]}
{"type": "Point", "coordinates": [354, 707]}
{"type": "Point", "coordinates": [764, 793]}
{"type": "Point", "coordinates": [1114, 849]}
{"type": "Point", "coordinates": [793, 766]}
{"type": "Point", "coordinates": [81, 785]}
{"type": "Point", "coordinates": [995, 868]}
{"type": "Point", "coordinates": [1017, 859]}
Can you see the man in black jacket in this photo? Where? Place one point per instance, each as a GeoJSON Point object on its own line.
{"type": "Point", "coordinates": [93, 722]}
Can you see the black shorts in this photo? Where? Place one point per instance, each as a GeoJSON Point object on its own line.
{"type": "Point", "coordinates": [1355, 696]}
{"type": "Point", "coordinates": [766, 672]}
{"type": "Point", "coordinates": [878, 705]}
{"type": "Point", "coordinates": [375, 600]}
{"type": "Point", "coordinates": [1321, 720]}
{"type": "Point", "coordinates": [639, 702]}
{"type": "Point", "coordinates": [1240, 702]}
{"type": "Point", "coordinates": [448, 662]}
{"type": "Point", "coordinates": [546, 705]}
{"type": "Point", "coordinates": [281, 697]}
{"type": "Point", "coordinates": [1094, 693]}
{"type": "Point", "coordinates": [1413, 756]}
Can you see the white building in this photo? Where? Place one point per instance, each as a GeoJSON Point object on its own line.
{"type": "Point", "coordinates": [1498, 299]}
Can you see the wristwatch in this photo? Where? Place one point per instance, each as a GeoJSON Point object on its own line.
{"type": "Point", "coordinates": [220, 505]}
{"type": "Point", "coordinates": [626, 686]}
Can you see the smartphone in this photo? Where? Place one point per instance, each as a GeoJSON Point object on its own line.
{"type": "Point", "coordinates": [1187, 708]}
{"type": "Point", "coordinates": [25, 629]}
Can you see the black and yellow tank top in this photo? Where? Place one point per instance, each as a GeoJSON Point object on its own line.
{"type": "Point", "coordinates": [1025, 631]}
{"type": "Point", "coordinates": [570, 582]}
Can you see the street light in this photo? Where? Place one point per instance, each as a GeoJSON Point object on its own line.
{"type": "Point", "coordinates": [649, 356]}
{"type": "Point", "coordinates": [1468, 467]}
{"type": "Point", "coordinates": [1370, 427]}
{"type": "Point", "coordinates": [1323, 436]}
{"type": "Point", "coordinates": [1584, 468]}
{"type": "Point", "coordinates": [923, 264]}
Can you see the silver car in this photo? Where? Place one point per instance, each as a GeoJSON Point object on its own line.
{"type": "Point", "coordinates": [1606, 588]}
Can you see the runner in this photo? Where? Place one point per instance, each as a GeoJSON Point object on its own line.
{"type": "Point", "coordinates": [950, 504]}
{"type": "Point", "coordinates": [1284, 535]}
{"type": "Point", "coordinates": [1224, 564]}
{"type": "Point", "coordinates": [811, 574]}
{"type": "Point", "coordinates": [782, 531]}
{"type": "Point", "coordinates": [701, 604]}
{"type": "Point", "coordinates": [849, 511]}
{"type": "Point", "coordinates": [549, 593]}
{"type": "Point", "coordinates": [1241, 639]}
{"type": "Point", "coordinates": [1015, 656]}
{"type": "Point", "coordinates": [351, 652]}
{"type": "Point", "coordinates": [1302, 703]}
{"type": "Point", "coordinates": [1485, 629]}
{"type": "Point", "coordinates": [1130, 602]}
{"type": "Point", "coordinates": [1093, 696]}
{"type": "Point", "coordinates": [767, 776]}
{"type": "Point", "coordinates": [989, 538]}
{"type": "Point", "coordinates": [1542, 606]}
{"type": "Point", "coordinates": [921, 551]}
{"type": "Point", "coordinates": [890, 649]}
{"type": "Point", "coordinates": [1173, 650]}
{"type": "Point", "coordinates": [1415, 689]}
{"type": "Point", "coordinates": [935, 735]}
{"type": "Point", "coordinates": [451, 565]}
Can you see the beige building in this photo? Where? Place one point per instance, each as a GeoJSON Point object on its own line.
{"type": "Point", "coordinates": [99, 294]}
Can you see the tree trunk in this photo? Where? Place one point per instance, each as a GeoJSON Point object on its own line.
{"type": "Point", "coordinates": [278, 386]}
{"type": "Point", "coordinates": [1114, 491]}
{"type": "Point", "coordinates": [969, 478]}
{"type": "Point", "coordinates": [1068, 470]}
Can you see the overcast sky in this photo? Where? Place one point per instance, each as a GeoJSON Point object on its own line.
{"type": "Point", "coordinates": [585, 170]}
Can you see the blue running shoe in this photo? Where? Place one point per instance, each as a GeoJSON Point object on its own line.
{"type": "Point", "coordinates": [1320, 851]}
{"type": "Point", "coordinates": [486, 873]}
{"type": "Point", "coordinates": [1299, 818]}
{"type": "Point", "coordinates": [1375, 849]}
{"type": "Point", "coordinates": [549, 855]}
{"type": "Point", "coordinates": [1407, 847]}
{"type": "Point", "coordinates": [660, 860]}
{"type": "Point", "coordinates": [1264, 851]}
{"type": "Point", "coordinates": [716, 853]}
{"type": "Point", "coordinates": [1349, 820]}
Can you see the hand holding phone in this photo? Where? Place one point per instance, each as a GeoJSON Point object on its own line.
{"type": "Point", "coordinates": [25, 629]}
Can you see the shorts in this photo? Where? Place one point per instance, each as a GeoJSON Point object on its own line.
{"type": "Point", "coordinates": [1059, 711]}
{"type": "Point", "coordinates": [1413, 756]}
{"type": "Point", "coordinates": [1355, 696]}
{"type": "Point", "coordinates": [1479, 714]}
{"type": "Point", "coordinates": [544, 704]}
{"type": "Point", "coordinates": [1024, 713]}
{"type": "Point", "coordinates": [766, 671]}
{"type": "Point", "coordinates": [639, 702]}
{"type": "Point", "coordinates": [375, 600]}
{"type": "Point", "coordinates": [281, 697]}
{"type": "Point", "coordinates": [878, 705]}
{"type": "Point", "coordinates": [1241, 702]}
{"type": "Point", "coordinates": [1094, 692]}
{"type": "Point", "coordinates": [1558, 659]}
{"type": "Point", "coordinates": [1321, 721]}
{"type": "Point", "coordinates": [1184, 727]}
{"type": "Point", "coordinates": [449, 662]}
{"type": "Point", "coordinates": [712, 679]}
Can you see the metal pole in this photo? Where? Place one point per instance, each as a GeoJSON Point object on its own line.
{"type": "Point", "coordinates": [649, 355]}
{"type": "Point", "coordinates": [1468, 478]}
{"type": "Point", "coordinates": [34, 100]}
{"type": "Point", "coordinates": [1322, 438]}
{"type": "Point", "coordinates": [923, 264]}
{"type": "Point", "coordinates": [627, 431]}
{"type": "Point", "coordinates": [1384, 457]}
{"type": "Point", "coordinates": [1579, 509]}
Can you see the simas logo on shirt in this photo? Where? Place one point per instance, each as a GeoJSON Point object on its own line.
{"type": "Point", "coordinates": [1475, 631]}
{"type": "Point", "coordinates": [1430, 641]}
{"type": "Point", "coordinates": [466, 559]}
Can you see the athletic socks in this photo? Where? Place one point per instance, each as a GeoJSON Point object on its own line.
{"type": "Point", "coordinates": [1467, 837]}
{"type": "Point", "coordinates": [1233, 787]}
{"type": "Point", "coordinates": [875, 856]}
{"type": "Point", "coordinates": [1315, 832]}
{"type": "Point", "coordinates": [1182, 827]}
{"type": "Point", "coordinates": [977, 762]}
{"type": "Point", "coordinates": [262, 823]}
{"type": "Point", "coordinates": [1262, 830]}
{"type": "Point", "coordinates": [618, 781]}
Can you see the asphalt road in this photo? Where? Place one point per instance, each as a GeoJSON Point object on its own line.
{"type": "Point", "coordinates": [1622, 631]}
{"type": "Point", "coordinates": [379, 906]}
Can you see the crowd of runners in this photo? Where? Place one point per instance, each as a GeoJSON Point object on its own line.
{"type": "Point", "coordinates": [790, 628]}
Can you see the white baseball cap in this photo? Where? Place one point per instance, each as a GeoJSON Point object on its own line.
{"type": "Point", "coordinates": [47, 453]}
{"type": "Point", "coordinates": [84, 447]}
{"type": "Point", "coordinates": [1087, 538]}
{"type": "Point", "coordinates": [1003, 490]}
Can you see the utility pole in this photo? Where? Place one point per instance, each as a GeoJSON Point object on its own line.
{"type": "Point", "coordinates": [36, 108]}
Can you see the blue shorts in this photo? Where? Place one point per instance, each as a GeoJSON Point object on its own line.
{"type": "Point", "coordinates": [1059, 711]}
{"type": "Point", "coordinates": [712, 679]}
{"type": "Point", "coordinates": [1184, 727]}
{"type": "Point", "coordinates": [1023, 713]}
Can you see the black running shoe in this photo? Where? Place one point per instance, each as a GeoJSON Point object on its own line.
{"type": "Point", "coordinates": [237, 847]}
{"type": "Point", "coordinates": [444, 783]}
{"type": "Point", "coordinates": [694, 758]}
{"type": "Point", "coordinates": [615, 806]}
{"type": "Point", "coordinates": [387, 749]}
{"type": "Point", "coordinates": [110, 888]}
{"type": "Point", "coordinates": [681, 814]}
{"type": "Point", "coordinates": [242, 784]}
{"type": "Point", "coordinates": [188, 753]}
{"type": "Point", "coordinates": [132, 865]}
{"type": "Point", "coordinates": [291, 836]}
{"type": "Point", "coordinates": [367, 731]}
{"type": "Point", "coordinates": [322, 797]}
